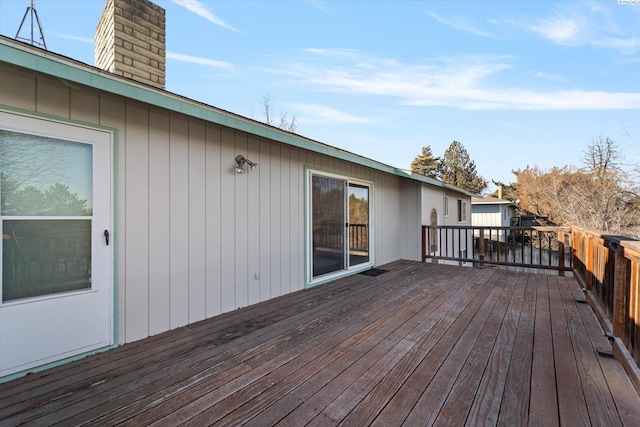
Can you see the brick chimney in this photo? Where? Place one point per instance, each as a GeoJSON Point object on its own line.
{"type": "Point", "coordinates": [130, 41]}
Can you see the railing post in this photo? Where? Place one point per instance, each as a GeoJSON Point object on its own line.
{"type": "Point", "coordinates": [481, 245]}
{"type": "Point", "coordinates": [560, 252]}
{"type": "Point", "coordinates": [619, 291]}
{"type": "Point", "coordinates": [588, 275]}
{"type": "Point", "coordinates": [424, 243]}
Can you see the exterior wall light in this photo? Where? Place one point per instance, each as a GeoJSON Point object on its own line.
{"type": "Point", "coordinates": [241, 161]}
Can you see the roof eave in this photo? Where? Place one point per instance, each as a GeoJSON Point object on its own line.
{"type": "Point", "coordinates": [52, 64]}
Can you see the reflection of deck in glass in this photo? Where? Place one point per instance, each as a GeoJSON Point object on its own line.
{"type": "Point", "coordinates": [45, 257]}
{"type": "Point", "coordinates": [328, 254]}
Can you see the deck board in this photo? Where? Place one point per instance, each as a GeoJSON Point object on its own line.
{"type": "Point", "coordinates": [422, 344]}
{"type": "Point", "coordinates": [517, 389]}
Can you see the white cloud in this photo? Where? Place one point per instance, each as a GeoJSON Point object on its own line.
{"type": "Point", "coordinates": [560, 29]}
{"type": "Point", "coordinates": [201, 10]}
{"type": "Point", "coordinates": [550, 77]}
{"type": "Point", "coordinates": [76, 38]}
{"type": "Point", "coordinates": [463, 82]}
{"type": "Point", "coordinates": [461, 23]}
{"type": "Point", "coordinates": [312, 113]}
{"type": "Point", "coordinates": [199, 60]}
{"type": "Point", "coordinates": [322, 6]}
{"type": "Point", "coordinates": [574, 25]}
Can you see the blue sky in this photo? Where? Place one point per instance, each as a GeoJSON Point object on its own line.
{"type": "Point", "coordinates": [518, 83]}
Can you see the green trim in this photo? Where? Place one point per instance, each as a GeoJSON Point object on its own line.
{"type": "Point", "coordinates": [31, 58]}
{"type": "Point", "coordinates": [307, 266]}
{"type": "Point", "coordinates": [55, 364]}
{"type": "Point", "coordinates": [346, 273]}
{"type": "Point", "coordinates": [51, 117]}
{"type": "Point", "coordinates": [305, 194]}
{"type": "Point", "coordinates": [114, 239]}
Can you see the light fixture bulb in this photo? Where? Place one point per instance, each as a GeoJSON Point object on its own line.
{"type": "Point", "coordinates": [241, 161]}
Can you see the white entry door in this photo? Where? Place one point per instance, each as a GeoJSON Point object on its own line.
{"type": "Point", "coordinates": [57, 258]}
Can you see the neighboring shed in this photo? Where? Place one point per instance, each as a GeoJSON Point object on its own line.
{"type": "Point", "coordinates": [159, 219]}
{"type": "Point", "coordinates": [492, 211]}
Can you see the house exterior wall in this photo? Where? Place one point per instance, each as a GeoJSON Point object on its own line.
{"type": "Point", "coordinates": [194, 239]}
{"type": "Point", "coordinates": [436, 198]}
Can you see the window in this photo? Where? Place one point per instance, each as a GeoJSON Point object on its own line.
{"type": "Point", "coordinates": [433, 235]}
{"type": "Point", "coordinates": [446, 205]}
{"type": "Point", "coordinates": [462, 211]}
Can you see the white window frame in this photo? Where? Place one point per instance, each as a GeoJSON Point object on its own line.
{"type": "Point", "coordinates": [462, 210]}
{"type": "Point", "coordinates": [310, 280]}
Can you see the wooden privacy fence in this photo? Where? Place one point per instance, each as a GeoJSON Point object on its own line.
{"type": "Point", "coordinates": [545, 248]}
{"type": "Point", "coordinates": [608, 269]}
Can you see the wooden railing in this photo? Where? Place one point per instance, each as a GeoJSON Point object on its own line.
{"type": "Point", "coordinates": [521, 247]}
{"type": "Point", "coordinates": [332, 236]}
{"type": "Point", "coordinates": [608, 269]}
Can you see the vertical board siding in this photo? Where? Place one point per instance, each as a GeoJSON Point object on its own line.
{"type": "Point", "coordinates": [276, 224]}
{"type": "Point", "coordinates": [264, 207]}
{"type": "Point", "coordinates": [159, 223]}
{"type": "Point", "coordinates": [52, 98]}
{"type": "Point", "coordinates": [197, 222]}
{"type": "Point", "coordinates": [228, 221]}
{"type": "Point", "coordinates": [17, 89]}
{"type": "Point", "coordinates": [296, 181]}
{"type": "Point", "coordinates": [241, 216]}
{"type": "Point", "coordinates": [193, 238]}
{"type": "Point", "coordinates": [136, 204]}
{"type": "Point", "coordinates": [213, 226]}
{"type": "Point", "coordinates": [179, 219]}
{"type": "Point", "coordinates": [84, 106]}
{"type": "Point", "coordinates": [285, 223]}
{"type": "Point", "coordinates": [253, 225]}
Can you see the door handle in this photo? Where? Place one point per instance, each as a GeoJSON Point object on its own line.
{"type": "Point", "coordinates": [106, 237]}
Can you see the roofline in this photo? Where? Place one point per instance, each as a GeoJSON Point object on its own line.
{"type": "Point", "coordinates": [492, 201]}
{"type": "Point", "coordinates": [35, 59]}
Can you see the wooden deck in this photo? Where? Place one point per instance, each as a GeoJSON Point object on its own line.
{"type": "Point", "coordinates": [421, 344]}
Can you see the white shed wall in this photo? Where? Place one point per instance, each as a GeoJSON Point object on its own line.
{"type": "Point", "coordinates": [434, 197]}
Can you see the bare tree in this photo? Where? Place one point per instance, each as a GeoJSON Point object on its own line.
{"type": "Point", "coordinates": [597, 196]}
{"type": "Point", "coordinates": [286, 123]}
{"type": "Point", "coordinates": [602, 157]}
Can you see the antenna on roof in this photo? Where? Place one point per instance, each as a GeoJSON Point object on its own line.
{"type": "Point", "coordinates": [31, 11]}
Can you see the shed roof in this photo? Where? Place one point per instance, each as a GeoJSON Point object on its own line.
{"type": "Point", "coordinates": [39, 60]}
{"type": "Point", "coordinates": [487, 200]}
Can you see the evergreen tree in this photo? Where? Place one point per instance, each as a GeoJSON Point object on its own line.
{"type": "Point", "coordinates": [457, 168]}
{"type": "Point", "coordinates": [426, 164]}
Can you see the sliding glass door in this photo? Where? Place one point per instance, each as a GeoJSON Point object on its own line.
{"type": "Point", "coordinates": [358, 224]}
{"type": "Point", "coordinates": [340, 232]}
